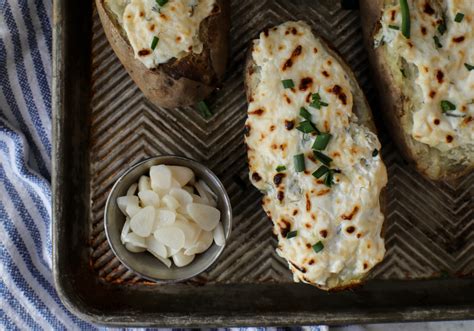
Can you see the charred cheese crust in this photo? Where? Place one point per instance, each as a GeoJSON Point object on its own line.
{"type": "Point", "coordinates": [345, 217]}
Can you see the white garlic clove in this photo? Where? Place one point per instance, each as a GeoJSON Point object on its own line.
{"type": "Point", "coordinates": [164, 217]}
{"type": "Point", "coordinates": [170, 202]}
{"type": "Point", "coordinates": [149, 198]}
{"type": "Point", "coordinates": [160, 177]}
{"type": "Point", "coordinates": [125, 230]}
{"type": "Point", "coordinates": [129, 205]}
{"type": "Point", "coordinates": [198, 199]}
{"type": "Point", "coordinates": [155, 247]}
{"type": "Point", "coordinates": [183, 197]}
{"type": "Point", "coordinates": [205, 216]}
{"type": "Point", "coordinates": [142, 222]}
{"type": "Point", "coordinates": [170, 236]}
{"type": "Point", "coordinates": [181, 260]}
{"type": "Point", "coordinates": [209, 193]}
{"type": "Point", "coordinates": [166, 262]}
{"type": "Point", "coordinates": [135, 240]}
{"type": "Point", "coordinates": [191, 231]}
{"type": "Point", "coordinates": [144, 184]}
{"type": "Point", "coordinates": [218, 233]}
{"type": "Point", "coordinates": [203, 243]}
{"type": "Point", "coordinates": [182, 175]}
{"type": "Point", "coordinates": [172, 251]}
{"type": "Point", "coordinates": [134, 249]}
{"type": "Point", "coordinates": [132, 189]}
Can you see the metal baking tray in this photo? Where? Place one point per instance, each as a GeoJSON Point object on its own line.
{"type": "Point", "coordinates": [103, 125]}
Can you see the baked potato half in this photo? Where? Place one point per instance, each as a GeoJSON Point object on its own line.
{"type": "Point", "coordinates": [422, 58]}
{"type": "Point", "coordinates": [314, 154]}
{"type": "Point", "coordinates": [176, 51]}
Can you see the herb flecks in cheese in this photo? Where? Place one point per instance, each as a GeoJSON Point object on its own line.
{"type": "Point", "coordinates": [176, 23]}
{"type": "Point", "coordinates": [440, 45]}
{"type": "Point", "coordinates": [317, 208]}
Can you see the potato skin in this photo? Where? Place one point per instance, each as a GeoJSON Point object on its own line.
{"type": "Point", "coordinates": [430, 162]}
{"type": "Point", "coordinates": [180, 82]}
{"type": "Point", "coordinates": [364, 115]}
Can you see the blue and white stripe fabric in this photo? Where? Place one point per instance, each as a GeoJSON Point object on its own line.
{"type": "Point", "coordinates": [28, 300]}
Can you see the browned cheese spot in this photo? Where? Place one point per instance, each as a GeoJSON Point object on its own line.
{"type": "Point", "coordinates": [325, 73]}
{"type": "Point", "coordinates": [302, 269]}
{"type": "Point", "coordinates": [308, 225]}
{"type": "Point", "coordinates": [163, 16]}
{"type": "Point", "coordinates": [256, 177]}
{"type": "Point", "coordinates": [439, 76]}
{"type": "Point", "coordinates": [359, 235]}
{"type": "Point", "coordinates": [274, 146]}
{"type": "Point", "coordinates": [265, 32]}
{"type": "Point", "coordinates": [289, 125]}
{"type": "Point", "coordinates": [311, 262]}
{"type": "Point", "coordinates": [436, 121]}
{"type": "Point", "coordinates": [410, 44]}
{"type": "Point", "coordinates": [365, 265]}
{"type": "Point", "coordinates": [449, 138]}
{"type": "Point", "coordinates": [144, 52]}
{"type": "Point", "coordinates": [289, 63]}
{"type": "Point", "coordinates": [423, 30]}
{"type": "Point", "coordinates": [283, 147]}
{"type": "Point", "coordinates": [178, 39]}
{"type": "Point", "coordinates": [284, 226]}
{"type": "Point", "coordinates": [257, 112]}
{"type": "Point", "coordinates": [294, 31]}
{"type": "Point", "coordinates": [309, 97]}
{"type": "Point", "coordinates": [152, 27]}
{"type": "Point", "coordinates": [468, 119]}
{"type": "Point", "coordinates": [247, 130]}
{"type": "Point", "coordinates": [459, 39]}
{"type": "Point", "coordinates": [308, 202]}
{"type": "Point", "coordinates": [427, 9]}
{"type": "Point", "coordinates": [306, 83]}
{"type": "Point", "coordinates": [350, 229]}
{"type": "Point", "coordinates": [272, 127]}
{"type": "Point", "coordinates": [280, 195]}
{"type": "Point", "coordinates": [278, 178]}
{"type": "Point", "coordinates": [329, 62]}
{"type": "Point", "coordinates": [295, 212]}
{"type": "Point", "coordinates": [287, 99]}
{"type": "Point", "coordinates": [315, 50]}
{"type": "Point", "coordinates": [335, 154]}
{"type": "Point", "coordinates": [323, 192]}
{"type": "Point", "coordinates": [323, 233]}
{"type": "Point", "coordinates": [308, 246]}
{"type": "Point", "coordinates": [337, 90]}
{"type": "Point", "coordinates": [349, 216]}
{"type": "Point", "coordinates": [141, 14]}
{"type": "Point", "coordinates": [432, 94]}
{"type": "Point", "coordinates": [392, 15]}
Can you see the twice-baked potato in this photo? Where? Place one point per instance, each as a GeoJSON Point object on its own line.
{"type": "Point", "coordinates": [313, 152]}
{"type": "Point", "coordinates": [422, 56]}
{"type": "Point", "coordinates": [176, 51]}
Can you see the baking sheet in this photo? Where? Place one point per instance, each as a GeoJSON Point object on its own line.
{"type": "Point", "coordinates": [103, 124]}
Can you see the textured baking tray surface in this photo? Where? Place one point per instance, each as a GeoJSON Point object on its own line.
{"type": "Point", "coordinates": [429, 227]}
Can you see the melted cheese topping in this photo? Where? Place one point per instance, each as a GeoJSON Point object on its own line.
{"type": "Point", "coordinates": [346, 217]}
{"type": "Point", "coordinates": [441, 73]}
{"type": "Point", "coordinates": [175, 24]}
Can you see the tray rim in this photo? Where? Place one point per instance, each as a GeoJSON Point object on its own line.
{"type": "Point", "coordinates": [88, 313]}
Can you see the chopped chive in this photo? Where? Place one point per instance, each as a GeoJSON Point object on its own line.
{"type": "Point", "coordinates": [204, 109]}
{"type": "Point", "coordinates": [454, 115]}
{"type": "Point", "coordinates": [161, 2]}
{"type": "Point", "coordinates": [469, 66]}
{"type": "Point", "coordinates": [317, 103]}
{"type": "Point", "coordinates": [291, 234]}
{"type": "Point", "coordinates": [154, 42]}
{"type": "Point", "coordinates": [328, 179]}
{"type": "Point", "coordinates": [395, 27]}
{"type": "Point", "coordinates": [405, 10]}
{"type": "Point", "coordinates": [318, 247]}
{"type": "Point", "coordinates": [323, 158]}
{"type": "Point", "coordinates": [321, 171]}
{"type": "Point", "coordinates": [321, 141]}
{"type": "Point", "coordinates": [447, 106]}
{"type": "Point", "coordinates": [442, 28]}
{"type": "Point", "coordinates": [299, 162]}
{"type": "Point", "coordinates": [459, 17]}
{"type": "Point", "coordinates": [305, 113]}
{"type": "Point", "coordinates": [437, 42]}
{"type": "Point", "coordinates": [288, 83]}
{"type": "Point", "coordinates": [306, 127]}
{"type": "Point", "coordinates": [375, 152]}
{"type": "Point", "coordinates": [280, 168]}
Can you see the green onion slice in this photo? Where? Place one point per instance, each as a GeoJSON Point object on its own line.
{"type": "Point", "coordinates": [161, 2]}
{"type": "Point", "coordinates": [317, 103]}
{"type": "Point", "coordinates": [280, 168]}
{"type": "Point", "coordinates": [405, 10]}
{"type": "Point", "coordinates": [318, 247]}
{"type": "Point", "coordinates": [306, 127]}
{"type": "Point", "coordinates": [395, 27]}
{"type": "Point", "coordinates": [459, 17]}
{"type": "Point", "coordinates": [154, 42]}
{"type": "Point", "coordinates": [321, 141]}
{"type": "Point", "coordinates": [291, 234]}
{"type": "Point", "coordinates": [447, 106]}
{"type": "Point", "coordinates": [299, 162]}
{"type": "Point", "coordinates": [321, 171]}
{"type": "Point", "coordinates": [328, 179]}
{"type": "Point", "coordinates": [288, 83]}
{"type": "Point", "coordinates": [323, 158]}
{"type": "Point", "coordinates": [437, 42]}
{"type": "Point", "coordinates": [305, 113]}
{"type": "Point", "coordinates": [204, 109]}
{"type": "Point", "coordinates": [469, 66]}
{"type": "Point", "coordinates": [375, 152]}
{"type": "Point", "coordinates": [442, 28]}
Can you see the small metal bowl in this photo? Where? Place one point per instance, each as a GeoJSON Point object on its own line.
{"type": "Point", "coordinates": [145, 264]}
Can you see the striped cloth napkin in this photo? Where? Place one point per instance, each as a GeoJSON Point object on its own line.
{"type": "Point", "coordinates": [28, 299]}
